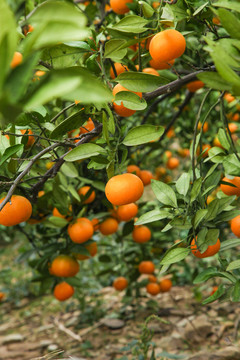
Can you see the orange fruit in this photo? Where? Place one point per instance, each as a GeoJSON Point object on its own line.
{"type": "Point", "coordinates": [184, 152]}
{"type": "Point", "coordinates": [41, 193]}
{"type": "Point", "coordinates": [124, 189]}
{"type": "Point", "coordinates": [235, 226]}
{"type": "Point", "coordinates": [81, 231]}
{"type": "Point", "coordinates": [95, 223]}
{"type": "Point", "coordinates": [108, 226]}
{"type": "Point", "coordinates": [167, 45]}
{"type": "Point", "coordinates": [228, 97]}
{"type": "Point", "coordinates": [155, 4]}
{"type": "Point", "coordinates": [127, 212]}
{"type": "Point", "coordinates": [206, 147]}
{"type": "Point", "coordinates": [193, 86]}
{"type": "Point", "coordinates": [217, 143]}
{"type": "Point", "coordinates": [216, 20]}
{"type": "Point", "coordinates": [146, 177]}
{"type": "Point", "coordinates": [119, 69]}
{"type": "Point", "coordinates": [121, 109]}
{"type": "Point", "coordinates": [64, 266]}
{"type": "Point", "coordinates": [134, 169]}
{"type": "Point", "coordinates": [172, 163]}
{"type": "Point", "coordinates": [120, 6]}
{"type": "Point", "coordinates": [56, 213]}
{"type": "Point", "coordinates": [152, 279]}
{"type": "Point", "coordinates": [158, 65]}
{"type": "Point", "coordinates": [204, 128]}
{"type": "Point", "coordinates": [16, 211]}
{"type": "Point", "coordinates": [150, 71]}
{"type": "Point", "coordinates": [2, 295]}
{"type": "Point", "coordinates": [31, 139]}
{"type": "Point", "coordinates": [146, 267]}
{"type": "Point", "coordinates": [141, 234]}
{"type": "Point", "coordinates": [214, 289]}
{"type": "Point", "coordinates": [231, 190]}
{"type": "Point", "coordinates": [236, 117]}
{"type": "Point", "coordinates": [63, 291]}
{"type": "Point", "coordinates": [153, 288]}
{"type": "Point", "coordinates": [233, 127]}
{"type": "Point", "coordinates": [171, 133]}
{"type": "Point", "coordinates": [92, 248]}
{"type": "Point", "coordinates": [120, 283]}
{"type": "Point", "coordinates": [16, 60]}
{"type": "Point", "coordinates": [168, 154]}
{"type": "Point", "coordinates": [83, 191]}
{"type": "Point", "coordinates": [160, 171]}
{"type": "Point", "coordinates": [165, 285]}
{"type": "Point", "coordinates": [89, 126]}
{"type": "Point", "coordinates": [211, 250]}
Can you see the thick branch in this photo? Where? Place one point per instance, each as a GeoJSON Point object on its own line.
{"type": "Point", "coordinates": [176, 84]}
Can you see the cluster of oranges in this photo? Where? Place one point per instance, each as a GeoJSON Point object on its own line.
{"type": "Point", "coordinates": [145, 175]}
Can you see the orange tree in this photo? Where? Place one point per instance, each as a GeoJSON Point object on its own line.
{"type": "Point", "coordinates": [98, 100]}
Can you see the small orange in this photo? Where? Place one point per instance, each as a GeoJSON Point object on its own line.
{"type": "Point", "coordinates": [236, 117]}
{"type": "Point", "coordinates": [160, 171]}
{"type": "Point", "coordinates": [155, 4]}
{"type": "Point", "coordinates": [205, 147]}
{"type": "Point", "coordinates": [64, 266]}
{"type": "Point", "coordinates": [216, 21]}
{"type": "Point", "coordinates": [81, 231]}
{"type": "Point", "coordinates": [31, 139]}
{"type": "Point", "coordinates": [165, 285]}
{"type": "Point", "coordinates": [172, 163]}
{"type": "Point", "coordinates": [217, 143]}
{"type": "Point", "coordinates": [16, 60]}
{"type": "Point", "coordinates": [214, 289]}
{"type": "Point", "coordinates": [146, 176]}
{"type": "Point", "coordinates": [150, 71]}
{"type": "Point", "coordinates": [92, 248]}
{"type": "Point", "coordinates": [194, 86]}
{"type": "Point", "coordinates": [146, 267]}
{"type": "Point", "coordinates": [108, 226]}
{"type": "Point", "coordinates": [184, 152]}
{"type": "Point", "coordinates": [229, 98]}
{"type": "Point", "coordinates": [57, 213]}
{"type": "Point", "coordinates": [153, 288]}
{"type": "Point", "coordinates": [120, 6]}
{"type": "Point", "coordinates": [233, 127]}
{"type": "Point", "coordinates": [231, 190]}
{"type": "Point", "coordinates": [2, 295]}
{"type": "Point", "coordinates": [119, 69]}
{"type": "Point", "coordinates": [124, 189]}
{"type": "Point", "coordinates": [168, 154]}
{"type": "Point", "coordinates": [41, 193]}
{"type": "Point", "coordinates": [95, 223]}
{"type": "Point", "coordinates": [235, 226]}
{"type": "Point", "coordinates": [204, 128]}
{"type": "Point", "coordinates": [83, 191]}
{"type": "Point", "coordinates": [158, 65]}
{"type": "Point", "coordinates": [127, 212]}
{"type": "Point", "coordinates": [121, 109]}
{"type": "Point", "coordinates": [63, 291]}
{"type": "Point", "coordinates": [171, 133]}
{"type": "Point", "coordinates": [211, 250]}
{"type": "Point", "coordinates": [152, 279]}
{"type": "Point", "coordinates": [120, 283]}
{"type": "Point", "coordinates": [87, 127]}
{"type": "Point", "coordinates": [16, 211]}
{"type": "Point", "coordinates": [134, 169]}
{"type": "Point", "coordinates": [141, 234]}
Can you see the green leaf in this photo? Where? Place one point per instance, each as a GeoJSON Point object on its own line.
{"type": "Point", "coordinates": [212, 236]}
{"type": "Point", "coordinates": [147, 9]}
{"type": "Point", "coordinates": [199, 216]}
{"type": "Point", "coordinates": [233, 265]}
{"type": "Point", "coordinates": [130, 100]}
{"type": "Point", "coordinates": [231, 165]}
{"type": "Point", "coordinates": [236, 292]}
{"type": "Point", "coordinates": [229, 244]}
{"type": "Point", "coordinates": [205, 275]}
{"type": "Point", "coordinates": [196, 189]}
{"type": "Point", "coordinates": [214, 81]}
{"type": "Point", "coordinates": [68, 84]}
{"type": "Point", "coordinates": [74, 281]}
{"type": "Point", "coordinates": [164, 193]}
{"type": "Point", "coordinates": [220, 291]}
{"type": "Point", "coordinates": [152, 216]}
{"type": "Point", "coordinates": [216, 154]}
{"type": "Point", "coordinates": [174, 255]}
{"type": "Point", "coordinates": [8, 39]}
{"type": "Point", "coordinates": [143, 134]}
{"type": "Point", "coordinates": [200, 8]}
{"type": "Point", "coordinates": [227, 215]}
{"type": "Point", "coordinates": [230, 22]}
{"type": "Point", "coordinates": [131, 24]}
{"type": "Point", "coordinates": [72, 122]}
{"type": "Point", "coordinates": [57, 221]}
{"type": "Point", "coordinates": [140, 82]}
{"type": "Point", "coordinates": [182, 184]}
{"type": "Point", "coordinates": [212, 210]}
{"type": "Point", "coordinates": [69, 170]}
{"type": "Point", "coordinates": [223, 137]}
{"type": "Point", "coordinates": [84, 151]}
{"type": "Point", "coordinates": [113, 49]}
{"type": "Point", "coordinates": [180, 223]}
{"type": "Point", "coordinates": [56, 22]}
{"type": "Point", "coordinates": [229, 4]}
{"type": "Point", "coordinates": [10, 151]}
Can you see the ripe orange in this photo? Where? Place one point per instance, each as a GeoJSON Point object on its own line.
{"type": "Point", "coordinates": [160, 171]}
{"type": "Point", "coordinates": [141, 234]}
{"type": "Point", "coordinates": [120, 283]}
{"type": "Point", "coordinates": [41, 193]}
{"type": "Point", "coordinates": [92, 248]}
{"type": "Point", "coordinates": [184, 152]}
{"type": "Point", "coordinates": [150, 71]}
{"type": "Point", "coordinates": [124, 189]}
{"type": "Point", "coordinates": [206, 147]}
{"type": "Point", "coordinates": [87, 127]}
{"type": "Point", "coordinates": [95, 223]}
{"type": "Point", "coordinates": [168, 154]}
{"type": "Point", "coordinates": [119, 69]}
{"type": "Point", "coordinates": [64, 266]}
{"type": "Point", "coordinates": [120, 6]}
{"type": "Point", "coordinates": [63, 291]}
{"type": "Point", "coordinates": [231, 190]}
{"type": "Point", "coordinates": [217, 143]}
{"type": "Point", "coordinates": [83, 191]}
{"type": "Point", "coordinates": [165, 285]}
{"type": "Point", "coordinates": [58, 214]}
{"type": "Point", "coordinates": [18, 210]}
{"type": "Point", "coordinates": [233, 127]}
{"type": "Point", "coordinates": [204, 128]}
{"type": "Point", "coordinates": [146, 267]}
{"type": "Point", "coordinates": [216, 21]}
{"type": "Point", "coordinates": [31, 139]}
{"type": "Point", "coordinates": [172, 163]}
{"type": "Point", "coordinates": [127, 212]}
{"type": "Point", "coordinates": [229, 98]}
{"type": "Point", "coordinates": [211, 250]}
{"type": "Point", "coordinates": [146, 177]}
{"type": "Point", "coordinates": [215, 288]}
{"type": "Point", "coordinates": [2, 295]}
{"type": "Point", "coordinates": [134, 169]}
{"type": "Point", "coordinates": [16, 60]}
{"type": "Point", "coordinates": [121, 109]}
{"type": "Point", "coordinates": [81, 231]}
{"type": "Point", "coordinates": [235, 226]}
{"type": "Point", "coordinates": [158, 65]}
{"type": "Point", "coordinates": [236, 117]}
{"type": "Point", "coordinates": [108, 226]}
{"type": "Point", "coordinates": [167, 45]}
{"type": "Point", "coordinates": [155, 4]}
{"type": "Point", "coordinates": [193, 86]}
{"type": "Point", "coordinates": [152, 279]}
{"type": "Point", "coordinates": [171, 133]}
{"type": "Point", "coordinates": [153, 288]}
{"type": "Point", "coordinates": [27, 29]}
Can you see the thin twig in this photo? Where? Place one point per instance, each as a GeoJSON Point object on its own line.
{"type": "Point", "coordinates": [61, 112]}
